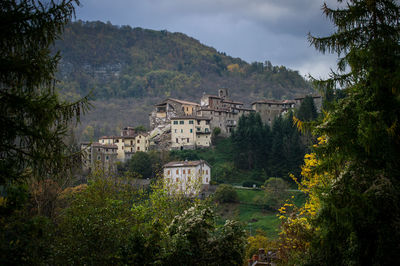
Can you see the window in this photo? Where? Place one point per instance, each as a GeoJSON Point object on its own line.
{"type": "Point", "coordinates": [203, 172]}
{"type": "Point", "coordinates": [107, 158]}
{"type": "Point", "coordinates": [106, 150]}
{"type": "Point", "coordinates": [177, 171]}
{"type": "Point", "coordinates": [117, 140]}
{"type": "Point", "coordinates": [190, 122]}
{"type": "Point", "coordinates": [177, 140]}
{"type": "Point", "coordinates": [175, 122]}
{"type": "Point", "coordinates": [187, 108]}
{"type": "Point", "coordinates": [169, 172]}
{"type": "Point", "coordinates": [207, 172]}
{"type": "Point", "coordinates": [188, 171]}
{"type": "Point", "coordinates": [189, 178]}
{"type": "Point", "coordinates": [138, 141]}
{"type": "Point", "coordinates": [206, 129]}
{"type": "Point", "coordinates": [138, 148]}
{"type": "Point", "coordinates": [131, 142]}
{"type": "Point", "coordinates": [207, 180]}
{"type": "Point", "coordinates": [184, 171]}
{"type": "Point", "coordinates": [191, 130]}
{"type": "Point", "coordinates": [175, 130]}
{"type": "Point", "coordinates": [177, 180]}
{"type": "Point", "coordinates": [181, 122]}
{"type": "Point", "coordinates": [98, 157]}
{"type": "Point", "coordinates": [181, 130]}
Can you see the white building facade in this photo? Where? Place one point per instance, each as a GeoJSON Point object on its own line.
{"type": "Point", "coordinates": [189, 177]}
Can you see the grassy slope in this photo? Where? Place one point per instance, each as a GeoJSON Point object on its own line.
{"type": "Point", "coordinates": [252, 214]}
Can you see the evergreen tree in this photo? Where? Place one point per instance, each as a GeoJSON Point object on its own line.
{"type": "Point", "coordinates": [34, 121]}
{"type": "Point", "coordinates": [307, 110]}
{"type": "Point", "coordinates": [359, 218]}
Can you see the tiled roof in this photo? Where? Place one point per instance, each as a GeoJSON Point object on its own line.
{"type": "Point", "coordinates": [273, 102]}
{"type": "Point", "coordinates": [184, 163]}
{"type": "Point", "coordinates": [178, 101]}
{"type": "Point", "coordinates": [190, 117]}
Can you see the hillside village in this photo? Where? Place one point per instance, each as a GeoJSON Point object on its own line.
{"type": "Point", "coordinates": [181, 124]}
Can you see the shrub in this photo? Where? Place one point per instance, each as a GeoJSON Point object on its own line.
{"type": "Point", "coordinates": [226, 193]}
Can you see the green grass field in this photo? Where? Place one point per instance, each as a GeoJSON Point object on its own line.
{"type": "Point", "coordinates": [255, 216]}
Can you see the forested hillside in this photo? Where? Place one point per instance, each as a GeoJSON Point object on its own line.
{"type": "Point", "coordinates": [143, 65]}
{"type": "Point", "coordinates": [135, 62]}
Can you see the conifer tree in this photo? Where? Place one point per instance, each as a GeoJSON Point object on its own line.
{"type": "Point", "coordinates": [359, 217]}
{"type": "Point", "coordinates": [34, 120]}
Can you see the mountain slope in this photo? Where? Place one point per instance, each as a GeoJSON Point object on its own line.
{"type": "Point", "coordinates": [135, 62]}
{"type": "Point", "coordinates": [147, 65]}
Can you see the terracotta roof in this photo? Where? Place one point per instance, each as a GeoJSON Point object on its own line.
{"type": "Point", "coordinates": [178, 101]}
{"type": "Point", "coordinates": [273, 102]}
{"type": "Point", "coordinates": [184, 163]}
{"type": "Point", "coordinates": [108, 137]}
{"type": "Point", "coordinates": [190, 117]}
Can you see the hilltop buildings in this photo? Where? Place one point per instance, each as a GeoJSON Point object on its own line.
{"type": "Point", "coordinates": [180, 124]}
{"type": "Point", "coordinates": [111, 149]}
{"type": "Point", "coordinates": [190, 124]}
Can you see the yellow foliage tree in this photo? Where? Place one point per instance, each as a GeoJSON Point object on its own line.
{"type": "Point", "coordinates": [297, 230]}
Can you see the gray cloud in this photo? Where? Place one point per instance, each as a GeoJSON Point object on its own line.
{"type": "Point", "coordinates": [254, 30]}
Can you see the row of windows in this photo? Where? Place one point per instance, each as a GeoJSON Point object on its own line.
{"type": "Point", "coordinates": [177, 179]}
{"type": "Point", "coordinates": [191, 122]}
{"type": "Point", "coordinates": [188, 171]}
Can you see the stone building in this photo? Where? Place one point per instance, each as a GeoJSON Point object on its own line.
{"type": "Point", "coordinates": [224, 113]}
{"type": "Point", "coordinates": [97, 155]}
{"type": "Point", "coordinates": [127, 145]}
{"type": "Point", "coordinates": [317, 102]}
{"type": "Point", "coordinates": [270, 109]}
{"type": "Point", "coordinates": [190, 132]}
{"type": "Point", "coordinates": [169, 108]}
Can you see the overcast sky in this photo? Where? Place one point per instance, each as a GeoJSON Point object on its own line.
{"type": "Point", "coordinates": [254, 30]}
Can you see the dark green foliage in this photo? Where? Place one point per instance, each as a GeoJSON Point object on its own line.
{"type": "Point", "coordinates": [111, 223]}
{"type": "Point", "coordinates": [141, 163]}
{"type": "Point", "coordinates": [360, 214]}
{"type": "Point", "coordinates": [250, 142]}
{"type": "Point", "coordinates": [225, 193]}
{"type": "Point", "coordinates": [307, 110]}
{"type": "Point", "coordinates": [270, 152]}
{"type": "Point", "coordinates": [34, 121]}
{"type": "Point", "coordinates": [275, 193]}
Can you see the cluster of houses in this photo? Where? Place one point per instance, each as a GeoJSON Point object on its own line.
{"type": "Point", "coordinates": [110, 149]}
{"type": "Point", "coordinates": [179, 124]}
{"type": "Point", "coordinates": [191, 124]}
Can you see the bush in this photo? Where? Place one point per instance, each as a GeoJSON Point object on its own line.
{"type": "Point", "coordinates": [226, 193]}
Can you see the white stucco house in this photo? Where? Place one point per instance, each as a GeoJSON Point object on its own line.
{"type": "Point", "coordinates": [189, 177]}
